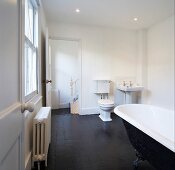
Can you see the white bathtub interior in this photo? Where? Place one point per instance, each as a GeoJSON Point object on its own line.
{"type": "Point", "coordinates": [154, 121]}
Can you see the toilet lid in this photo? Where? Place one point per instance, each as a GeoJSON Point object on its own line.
{"type": "Point", "coordinates": [106, 102]}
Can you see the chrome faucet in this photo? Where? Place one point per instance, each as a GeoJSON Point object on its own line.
{"type": "Point", "coordinates": [130, 83]}
{"type": "Point", "coordinates": [124, 83]}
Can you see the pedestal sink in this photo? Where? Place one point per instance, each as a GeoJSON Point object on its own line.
{"type": "Point", "coordinates": [131, 93]}
{"type": "Point", "coordinates": [130, 88]}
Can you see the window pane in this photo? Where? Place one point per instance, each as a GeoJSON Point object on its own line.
{"type": "Point", "coordinates": [31, 44]}
{"type": "Point", "coordinates": [36, 29]}
{"type": "Point", "coordinates": [30, 70]}
{"type": "Point", "coordinates": [29, 20]}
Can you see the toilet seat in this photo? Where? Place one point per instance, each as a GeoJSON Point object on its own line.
{"type": "Point", "coordinates": [106, 103]}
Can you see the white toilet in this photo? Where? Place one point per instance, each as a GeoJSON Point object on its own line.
{"type": "Point", "coordinates": [106, 106]}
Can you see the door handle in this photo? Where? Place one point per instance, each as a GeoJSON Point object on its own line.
{"type": "Point", "coordinates": [27, 107]}
{"type": "Point", "coordinates": [48, 81]}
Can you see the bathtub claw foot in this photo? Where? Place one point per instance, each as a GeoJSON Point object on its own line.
{"type": "Point", "coordinates": [138, 160]}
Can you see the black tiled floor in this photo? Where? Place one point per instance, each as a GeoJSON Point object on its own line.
{"type": "Point", "coordinates": [87, 143]}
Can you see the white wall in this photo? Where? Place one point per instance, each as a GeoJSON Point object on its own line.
{"type": "Point", "coordinates": [142, 66]}
{"type": "Point", "coordinates": [64, 61]}
{"type": "Point", "coordinates": [106, 53]}
{"type": "Point", "coordinates": [160, 58]}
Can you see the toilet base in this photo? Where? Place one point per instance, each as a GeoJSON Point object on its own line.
{"type": "Point", "coordinates": [105, 116]}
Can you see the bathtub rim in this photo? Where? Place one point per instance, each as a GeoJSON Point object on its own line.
{"type": "Point", "coordinates": [150, 132]}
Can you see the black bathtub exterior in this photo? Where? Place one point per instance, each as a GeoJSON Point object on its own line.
{"type": "Point", "coordinates": [155, 153]}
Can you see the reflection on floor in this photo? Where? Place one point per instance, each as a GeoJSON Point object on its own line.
{"type": "Point", "coordinates": [87, 143]}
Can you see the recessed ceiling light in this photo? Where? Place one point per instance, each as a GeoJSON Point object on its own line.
{"type": "Point", "coordinates": [135, 19]}
{"type": "Point", "coordinates": [77, 10]}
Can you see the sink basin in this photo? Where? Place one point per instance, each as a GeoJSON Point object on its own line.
{"type": "Point", "coordinates": [130, 88]}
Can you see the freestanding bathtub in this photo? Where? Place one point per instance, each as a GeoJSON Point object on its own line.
{"type": "Point", "coordinates": [151, 132]}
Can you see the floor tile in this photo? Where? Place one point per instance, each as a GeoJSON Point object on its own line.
{"type": "Point", "coordinates": [87, 143]}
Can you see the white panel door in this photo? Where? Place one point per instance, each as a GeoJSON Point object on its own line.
{"type": "Point", "coordinates": [48, 71]}
{"type": "Point", "coordinates": [11, 138]}
{"type": "Point", "coordinates": [11, 118]}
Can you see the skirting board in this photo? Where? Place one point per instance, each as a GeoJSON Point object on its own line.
{"type": "Point", "coordinates": [64, 105]}
{"type": "Point", "coordinates": [89, 111]}
{"type": "Point", "coordinates": [28, 162]}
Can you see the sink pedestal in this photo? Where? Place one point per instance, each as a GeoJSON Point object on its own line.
{"type": "Point", "coordinates": [128, 95]}
{"type": "Point", "coordinates": [132, 97]}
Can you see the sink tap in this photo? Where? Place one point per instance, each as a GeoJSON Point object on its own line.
{"type": "Point", "coordinates": [124, 83]}
{"type": "Point", "coordinates": [130, 83]}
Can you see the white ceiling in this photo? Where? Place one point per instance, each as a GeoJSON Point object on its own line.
{"type": "Point", "coordinates": [109, 13]}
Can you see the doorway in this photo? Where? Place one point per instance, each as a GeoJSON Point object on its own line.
{"type": "Point", "coordinates": [66, 74]}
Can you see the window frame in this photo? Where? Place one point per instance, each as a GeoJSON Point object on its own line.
{"type": "Point", "coordinates": [34, 47]}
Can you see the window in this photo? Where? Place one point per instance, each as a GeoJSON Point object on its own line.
{"type": "Point", "coordinates": [31, 49]}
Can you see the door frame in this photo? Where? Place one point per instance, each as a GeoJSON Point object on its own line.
{"type": "Point", "coordinates": [79, 64]}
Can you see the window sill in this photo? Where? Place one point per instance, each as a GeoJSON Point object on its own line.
{"type": "Point", "coordinates": [30, 96]}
